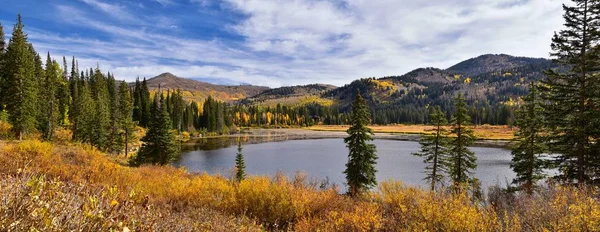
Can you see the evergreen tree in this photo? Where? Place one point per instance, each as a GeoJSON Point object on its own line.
{"type": "Point", "coordinates": [63, 95]}
{"type": "Point", "coordinates": [2, 66]}
{"type": "Point", "coordinates": [159, 144]}
{"type": "Point", "coordinates": [49, 101]}
{"type": "Point", "coordinates": [102, 121]}
{"type": "Point", "coordinates": [84, 122]}
{"type": "Point", "coordinates": [461, 160]}
{"type": "Point", "coordinates": [74, 83]}
{"type": "Point", "coordinates": [40, 84]}
{"type": "Point", "coordinates": [360, 169]}
{"type": "Point", "coordinates": [572, 112]}
{"type": "Point", "coordinates": [145, 104]}
{"type": "Point", "coordinates": [529, 145]}
{"type": "Point", "coordinates": [20, 83]}
{"type": "Point", "coordinates": [434, 149]}
{"type": "Point", "coordinates": [125, 111]}
{"type": "Point", "coordinates": [240, 165]}
{"type": "Point", "coordinates": [137, 101]}
{"type": "Point", "coordinates": [115, 139]}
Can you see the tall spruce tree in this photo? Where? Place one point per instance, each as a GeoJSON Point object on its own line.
{"type": "Point", "coordinates": [529, 146]}
{"type": "Point", "coordinates": [461, 160]}
{"type": "Point", "coordinates": [20, 83]}
{"type": "Point", "coordinates": [49, 101]}
{"type": "Point", "coordinates": [84, 121]}
{"type": "Point", "coordinates": [115, 138]}
{"type": "Point", "coordinates": [360, 169]}
{"type": "Point", "coordinates": [159, 144]}
{"type": "Point", "coordinates": [137, 101]}
{"type": "Point", "coordinates": [434, 149]}
{"type": "Point", "coordinates": [145, 104]}
{"type": "Point", "coordinates": [63, 95]}
{"type": "Point", "coordinates": [125, 112]}
{"type": "Point", "coordinates": [40, 77]}
{"type": "Point", "coordinates": [240, 165]}
{"type": "Point", "coordinates": [2, 66]}
{"type": "Point", "coordinates": [74, 83]}
{"type": "Point", "coordinates": [102, 125]}
{"type": "Point", "coordinates": [572, 96]}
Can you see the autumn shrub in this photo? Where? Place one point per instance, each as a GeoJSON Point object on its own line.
{"type": "Point", "coordinates": [62, 135]}
{"type": "Point", "coordinates": [84, 182]}
{"type": "Point", "coordinates": [415, 209]}
{"type": "Point", "coordinates": [36, 203]}
{"type": "Point", "coordinates": [5, 130]}
{"type": "Point", "coordinates": [555, 208]}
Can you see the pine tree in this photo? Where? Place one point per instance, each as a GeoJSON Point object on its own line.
{"type": "Point", "coordinates": [146, 111]}
{"type": "Point", "coordinates": [434, 149]}
{"type": "Point", "coordinates": [137, 101]}
{"type": "Point", "coordinates": [115, 138]}
{"type": "Point", "coordinates": [49, 101]}
{"type": "Point", "coordinates": [159, 144]}
{"type": "Point", "coordinates": [462, 160]}
{"type": "Point", "coordinates": [40, 77]}
{"type": "Point", "coordinates": [572, 112]}
{"type": "Point", "coordinates": [20, 83]}
{"type": "Point", "coordinates": [125, 112]}
{"type": "Point", "coordinates": [74, 83]}
{"type": "Point", "coordinates": [63, 95]}
{"type": "Point", "coordinates": [2, 66]}
{"type": "Point", "coordinates": [84, 123]}
{"type": "Point", "coordinates": [240, 165]}
{"type": "Point", "coordinates": [529, 146]}
{"type": "Point", "coordinates": [102, 122]}
{"type": "Point", "coordinates": [360, 169]}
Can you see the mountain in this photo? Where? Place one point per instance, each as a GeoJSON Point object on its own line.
{"type": "Point", "coordinates": [198, 91]}
{"type": "Point", "coordinates": [490, 79]}
{"type": "Point", "coordinates": [487, 80]}
{"type": "Point", "coordinates": [499, 63]}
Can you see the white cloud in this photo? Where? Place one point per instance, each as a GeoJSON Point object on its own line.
{"type": "Point", "coordinates": [116, 11]}
{"type": "Point", "coordinates": [391, 37]}
{"type": "Point", "coordinates": [289, 42]}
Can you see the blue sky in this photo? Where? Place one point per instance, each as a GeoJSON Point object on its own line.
{"type": "Point", "coordinates": [282, 42]}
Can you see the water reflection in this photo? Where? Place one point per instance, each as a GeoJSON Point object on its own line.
{"type": "Point", "coordinates": [326, 159]}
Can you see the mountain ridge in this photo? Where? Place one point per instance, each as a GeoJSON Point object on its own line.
{"type": "Point", "coordinates": [489, 77]}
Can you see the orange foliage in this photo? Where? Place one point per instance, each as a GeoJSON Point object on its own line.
{"type": "Point", "coordinates": [281, 203]}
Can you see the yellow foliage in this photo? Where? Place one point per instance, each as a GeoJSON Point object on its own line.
{"type": "Point", "coordinates": [5, 130]}
{"type": "Point", "coordinates": [62, 135]}
{"type": "Point", "coordinates": [467, 80]}
{"type": "Point", "coordinates": [279, 203]}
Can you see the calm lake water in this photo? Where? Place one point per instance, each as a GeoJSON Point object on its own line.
{"type": "Point", "coordinates": [326, 158]}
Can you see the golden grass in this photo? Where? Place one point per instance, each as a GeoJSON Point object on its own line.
{"type": "Point", "coordinates": [487, 132]}
{"type": "Point", "coordinates": [63, 188]}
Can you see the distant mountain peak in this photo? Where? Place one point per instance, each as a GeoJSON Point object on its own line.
{"type": "Point", "coordinates": [166, 75]}
{"type": "Point", "coordinates": [195, 90]}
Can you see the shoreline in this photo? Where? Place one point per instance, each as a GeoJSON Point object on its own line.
{"type": "Point", "coordinates": [302, 134]}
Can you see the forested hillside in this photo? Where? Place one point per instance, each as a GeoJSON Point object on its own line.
{"type": "Point", "coordinates": [492, 85]}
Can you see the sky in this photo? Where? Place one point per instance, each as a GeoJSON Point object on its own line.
{"type": "Point", "coordinates": [282, 42]}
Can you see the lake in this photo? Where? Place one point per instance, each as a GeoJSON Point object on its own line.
{"type": "Point", "coordinates": [326, 158]}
